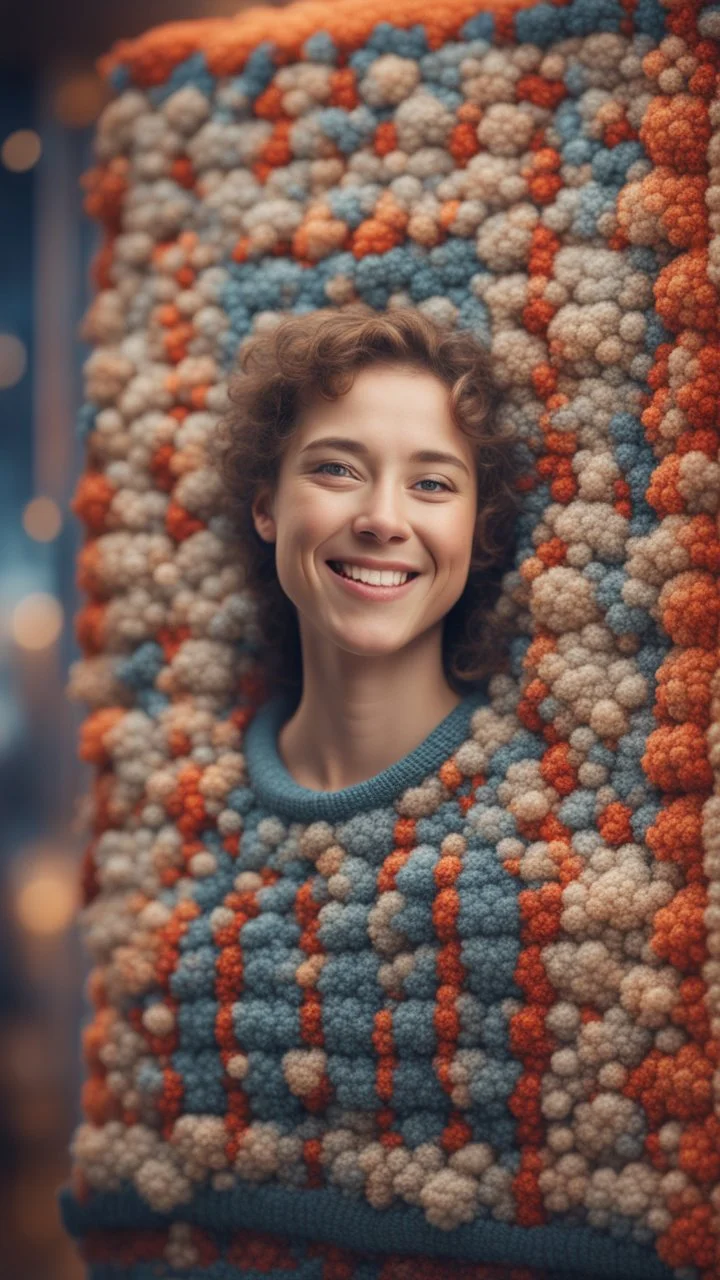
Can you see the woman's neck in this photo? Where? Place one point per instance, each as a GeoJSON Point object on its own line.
{"type": "Point", "coordinates": [329, 744]}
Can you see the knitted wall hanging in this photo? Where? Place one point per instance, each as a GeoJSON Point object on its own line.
{"type": "Point", "coordinates": [533, 1089]}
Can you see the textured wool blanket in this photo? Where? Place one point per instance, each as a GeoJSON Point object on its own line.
{"type": "Point", "coordinates": [547, 175]}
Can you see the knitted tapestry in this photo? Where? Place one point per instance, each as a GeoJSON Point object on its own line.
{"type": "Point", "coordinates": [548, 176]}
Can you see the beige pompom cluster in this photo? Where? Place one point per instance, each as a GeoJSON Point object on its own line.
{"type": "Point", "coordinates": [547, 175]}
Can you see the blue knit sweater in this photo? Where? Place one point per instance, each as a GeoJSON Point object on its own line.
{"type": "Point", "coordinates": [336, 1070]}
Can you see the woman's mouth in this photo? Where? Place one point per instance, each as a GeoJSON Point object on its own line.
{"type": "Point", "coordinates": [370, 590]}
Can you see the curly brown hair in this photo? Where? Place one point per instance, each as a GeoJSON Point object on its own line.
{"type": "Point", "coordinates": [319, 353]}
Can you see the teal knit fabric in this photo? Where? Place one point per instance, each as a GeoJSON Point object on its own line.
{"type": "Point", "coordinates": [276, 789]}
{"type": "Point", "coordinates": [363, 1059]}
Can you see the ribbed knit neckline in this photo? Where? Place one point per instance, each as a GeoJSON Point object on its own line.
{"type": "Point", "coordinates": [276, 790]}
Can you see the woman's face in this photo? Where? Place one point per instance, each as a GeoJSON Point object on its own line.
{"type": "Point", "coordinates": [371, 498]}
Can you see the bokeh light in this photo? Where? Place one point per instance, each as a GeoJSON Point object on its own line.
{"type": "Point", "coordinates": [21, 150]}
{"type": "Point", "coordinates": [37, 620]}
{"type": "Point", "coordinates": [46, 897]}
{"type": "Point", "coordinates": [42, 519]}
{"type": "Point", "coordinates": [13, 360]}
{"type": "Point", "coordinates": [79, 100]}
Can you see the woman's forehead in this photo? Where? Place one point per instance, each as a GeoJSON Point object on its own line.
{"type": "Point", "coordinates": [391, 395]}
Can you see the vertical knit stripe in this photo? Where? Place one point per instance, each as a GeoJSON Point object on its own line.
{"type": "Point", "coordinates": [229, 986]}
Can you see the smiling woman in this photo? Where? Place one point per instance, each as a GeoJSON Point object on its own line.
{"type": "Point", "coordinates": [363, 438]}
{"type": "Point", "coordinates": [391, 986]}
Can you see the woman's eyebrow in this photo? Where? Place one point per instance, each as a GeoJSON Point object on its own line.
{"type": "Point", "coordinates": [355, 446]}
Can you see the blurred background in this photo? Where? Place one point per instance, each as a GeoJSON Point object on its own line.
{"type": "Point", "coordinates": [50, 97]}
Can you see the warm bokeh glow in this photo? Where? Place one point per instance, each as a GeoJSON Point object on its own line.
{"type": "Point", "coordinates": [42, 519]}
{"type": "Point", "coordinates": [46, 900]}
{"type": "Point", "coordinates": [21, 150]}
{"type": "Point", "coordinates": [37, 621]}
{"type": "Point", "coordinates": [79, 100]}
{"type": "Point", "coordinates": [13, 359]}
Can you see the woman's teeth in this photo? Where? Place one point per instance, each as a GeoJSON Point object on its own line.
{"type": "Point", "coordinates": [389, 578]}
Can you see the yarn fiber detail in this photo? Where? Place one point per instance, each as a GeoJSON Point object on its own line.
{"type": "Point", "coordinates": [489, 1006]}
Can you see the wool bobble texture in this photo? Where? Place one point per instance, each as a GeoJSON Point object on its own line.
{"type": "Point", "coordinates": [463, 1019]}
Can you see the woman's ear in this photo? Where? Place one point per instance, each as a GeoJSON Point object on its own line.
{"type": "Point", "coordinates": [263, 517]}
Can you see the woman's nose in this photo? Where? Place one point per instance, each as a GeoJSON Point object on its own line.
{"type": "Point", "coordinates": [383, 510]}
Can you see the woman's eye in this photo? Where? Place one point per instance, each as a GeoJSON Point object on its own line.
{"type": "Point", "coordinates": [332, 464]}
{"type": "Point", "coordinates": [342, 466]}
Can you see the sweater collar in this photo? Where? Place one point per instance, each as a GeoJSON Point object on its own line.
{"type": "Point", "coordinates": [277, 791]}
